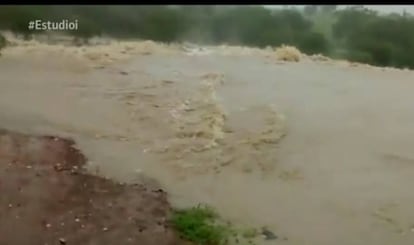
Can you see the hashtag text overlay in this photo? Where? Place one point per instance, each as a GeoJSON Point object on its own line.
{"type": "Point", "coordinates": [63, 25]}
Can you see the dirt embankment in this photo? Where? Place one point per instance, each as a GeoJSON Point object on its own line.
{"type": "Point", "coordinates": [46, 198]}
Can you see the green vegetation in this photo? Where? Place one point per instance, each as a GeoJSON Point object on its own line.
{"type": "Point", "coordinates": [2, 42]}
{"type": "Point", "coordinates": [199, 225]}
{"type": "Point", "coordinates": [354, 33]}
{"type": "Point", "coordinates": [203, 226]}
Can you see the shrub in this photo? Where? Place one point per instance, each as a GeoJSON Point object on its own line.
{"type": "Point", "coordinates": [199, 225]}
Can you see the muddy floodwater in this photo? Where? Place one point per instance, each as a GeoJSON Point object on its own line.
{"type": "Point", "coordinates": [320, 153]}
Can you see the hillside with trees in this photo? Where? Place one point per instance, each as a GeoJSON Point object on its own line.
{"type": "Point", "coordinates": [355, 33]}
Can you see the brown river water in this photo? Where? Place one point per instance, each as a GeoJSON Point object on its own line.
{"type": "Point", "coordinates": [319, 152]}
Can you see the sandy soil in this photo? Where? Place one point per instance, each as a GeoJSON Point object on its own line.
{"type": "Point", "coordinates": [317, 151]}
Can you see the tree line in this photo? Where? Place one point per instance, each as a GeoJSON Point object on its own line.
{"type": "Point", "coordinates": [354, 33]}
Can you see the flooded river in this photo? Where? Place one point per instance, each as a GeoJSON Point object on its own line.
{"type": "Point", "coordinates": [320, 153]}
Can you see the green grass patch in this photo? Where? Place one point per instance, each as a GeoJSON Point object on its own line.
{"type": "Point", "coordinates": [203, 226]}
